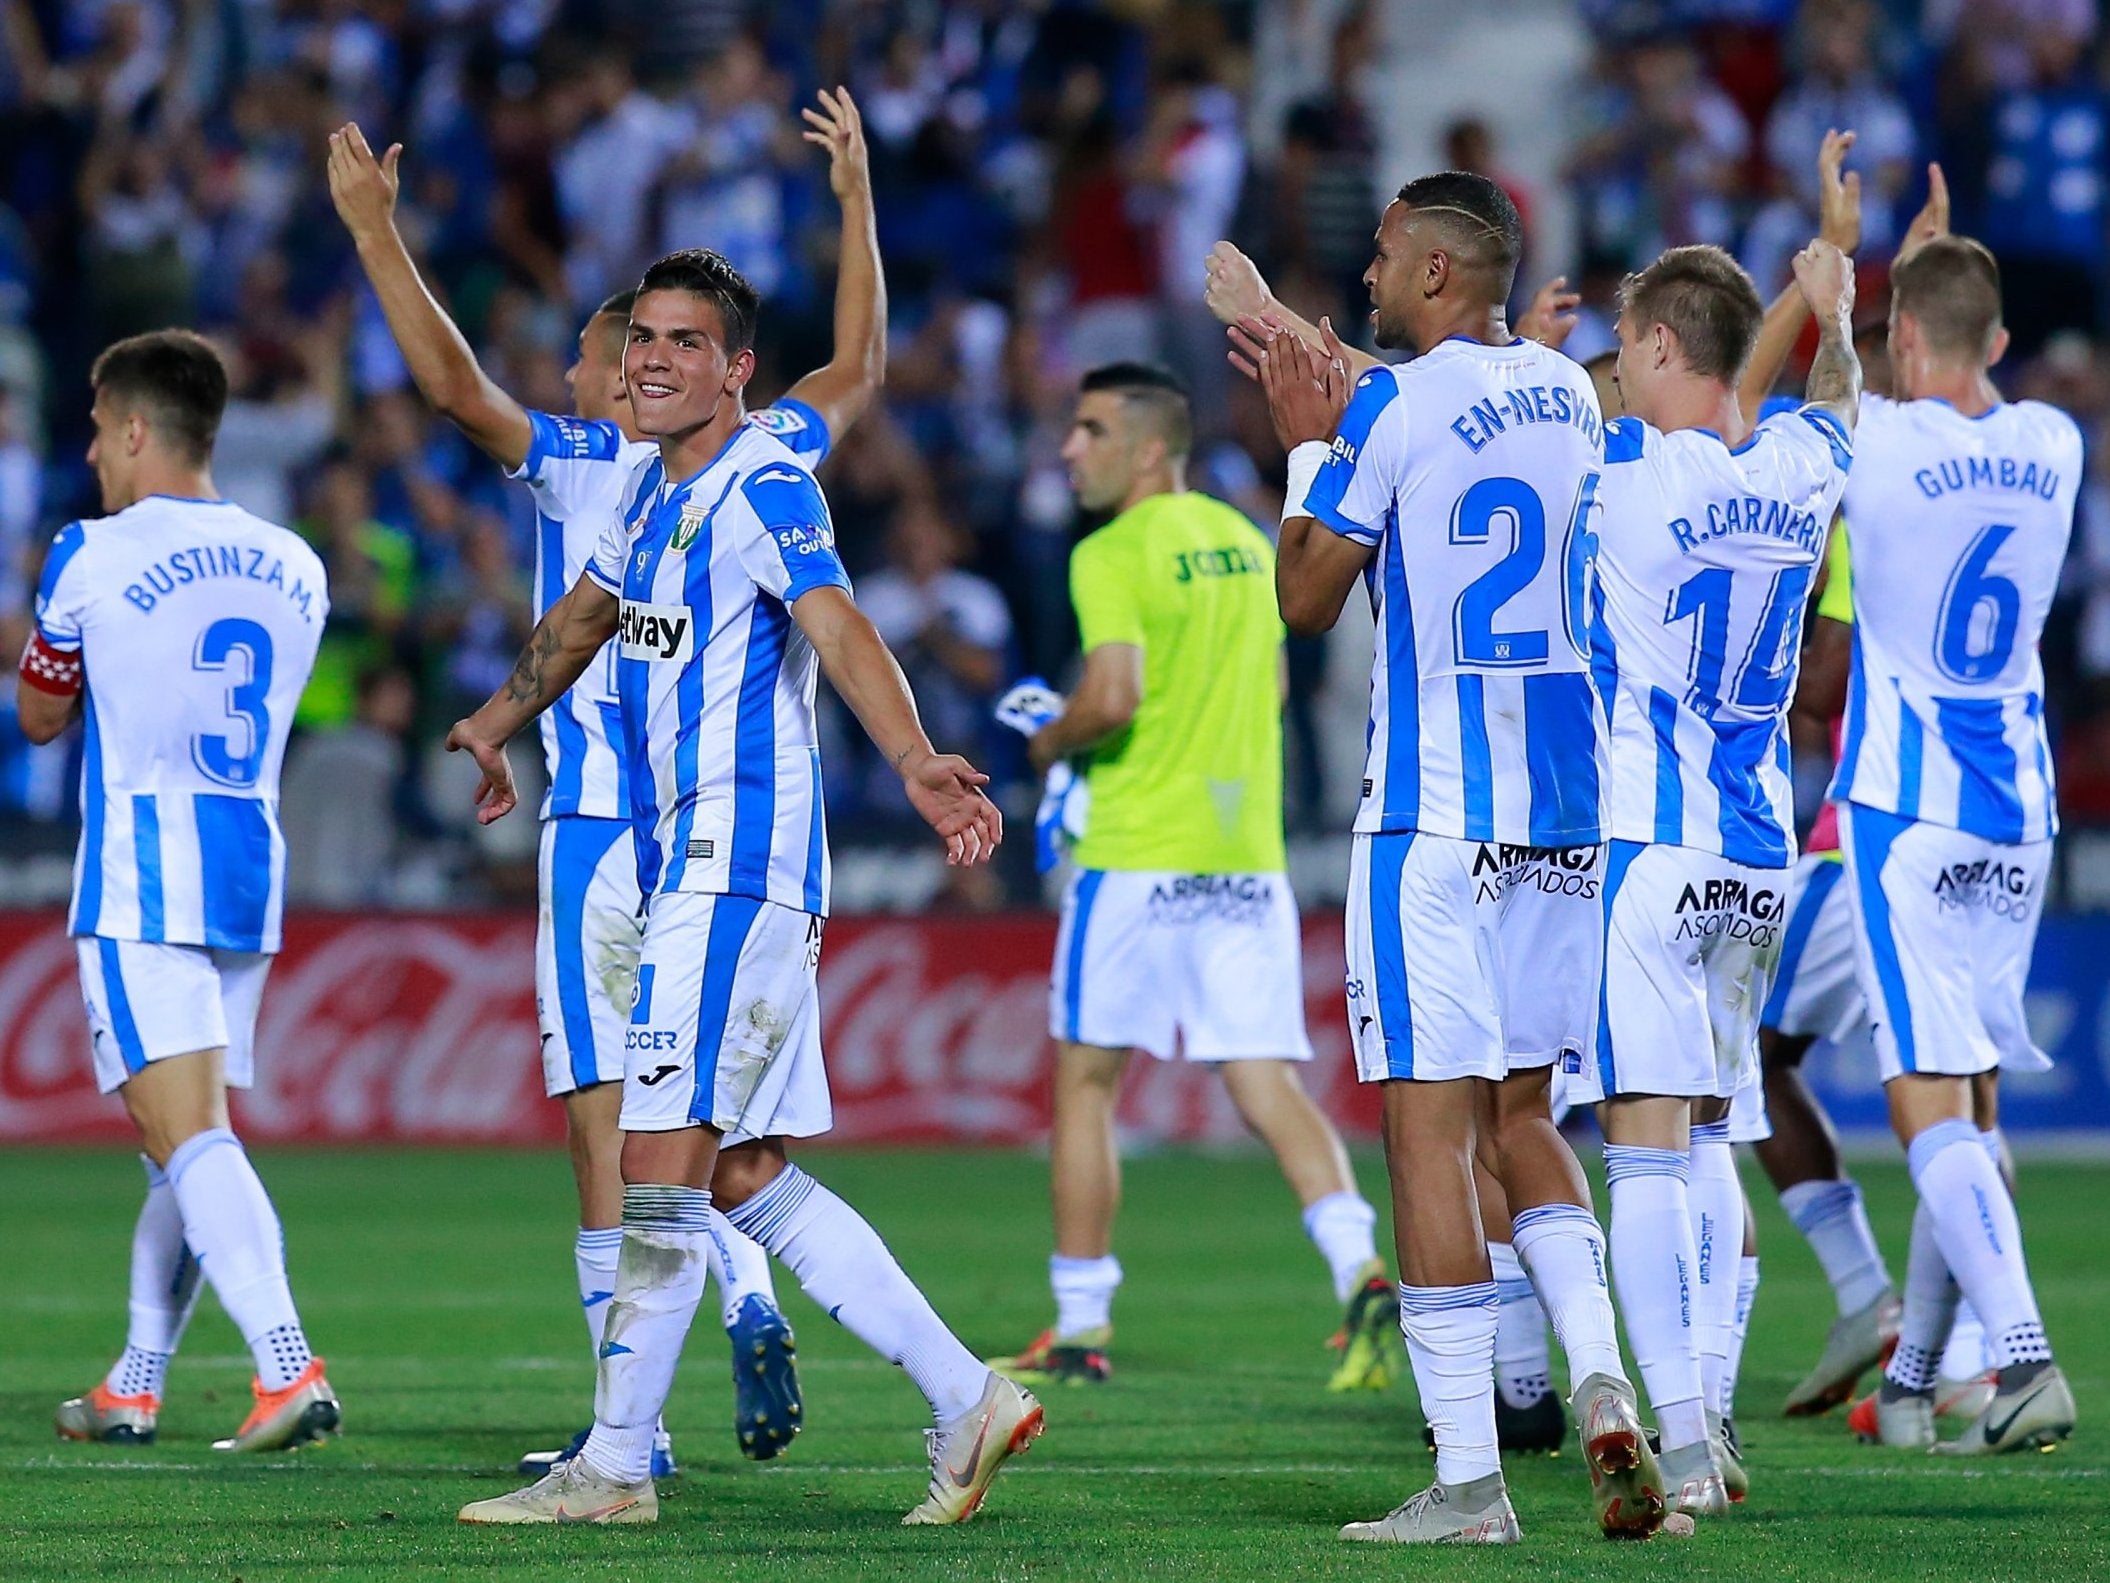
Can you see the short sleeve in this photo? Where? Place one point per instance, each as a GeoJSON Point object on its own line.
{"type": "Point", "coordinates": [791, 548]}
{"type": "Point", "coordinates": [567, 456]}
{"type": "Point", "coordinates": [1103, 591]}
{"type": "Point", "coordinates": [605, 565]}
{"type": "Point", "coordinates": [1836, 434]}
{"type": "Point", "coordinates": [1625, 440]}
{"type": "Point", "coordinates": [798, 427]}
{"type": "Point", "coordinates": [1358, 484]}
{"type": "Point", "coordinates": [1836, 603]}
{"type": "Point", "coordinates": [62, 590]}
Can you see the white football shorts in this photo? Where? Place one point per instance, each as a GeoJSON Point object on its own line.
{"type": "Point", "coordinates": [1748, 1121]}
{"type": "Point", "coordinates": [1690, 942]}
{"type": "Point", "coordinates": [1817, 988]}
{"type": "Point", "coordinates": [147, 1002]}
{"type": "Point", "coordinates": [1208, 966]}
{"type": "Point", "coordinates": [1944, 926]}
{"type": "Point", "coordinates": [725, 1028]}
{"type": "Point", "coordinates": [1471, 959]}
{"type": "Point", "coordinates": [588, 933]}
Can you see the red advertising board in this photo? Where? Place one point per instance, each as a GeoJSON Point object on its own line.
{"type": "Point", "coordinates": [421, 1029]}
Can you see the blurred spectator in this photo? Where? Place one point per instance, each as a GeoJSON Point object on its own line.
{"type": "Point", "coordinates": [373, 587]}
{"type": "Point", "coordinates": [1326, 199]}
{"type": "Point", "coordinates": [1662, 161]}
{"type": "Point", "coordinates": [341, 800]}
{"type": "Point", "coordinates": [2031, 146]}
{"type": "Point", "coordinates": [615, 143]}
{"type": "Point", "coordinates": [1838, 88]}
{"type": "Point", "coordinates": [949, 628]}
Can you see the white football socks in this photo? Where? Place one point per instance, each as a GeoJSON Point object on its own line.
{"type": "Point", "coordinates": [594, 1253]}
{"type": "Point", "coordinates": [742, 1267]}
{"type": "Point", "coordinates": [230, 1225]}
{"type": "Point", "coordinates": [1523, 1361]}
{"type": "Point", "coordinates": [842, 1264]}
{"type": "Point", "coordinates": [1833, 1219]}
{"type": "Point", "coordinates": [1450, 1333]}
{"type": "Point", "coordinates": [1715, 1200]}
{"type": "Point", "coordinates": [1746, 1295]}
{"type": "Point", "coordinates": [1980, 1238]}
{"type": "Point", "coordinates": [658, 1285]}
{"type": "Point", "coordinates": [164, 1290]}
{"type": "Point", "coordinates": [1930, 1308]}
{"type": "Point", "coordinates": [1561, 1247]}
{"type": "Point", "coordinates": [1652, 1260]}
{"type": "Point", "coordinates": [1084, 1293]}
{"type": "Point", "coordinates": [1343, 1227]}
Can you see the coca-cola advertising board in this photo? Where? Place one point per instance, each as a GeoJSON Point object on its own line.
{"type": "Point", "coordinates": [422, 1029]}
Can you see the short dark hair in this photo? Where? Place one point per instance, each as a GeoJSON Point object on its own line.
{"type": "Point", "coordinates": [175, 379]}
{"type": "Point", "coordinates": [1480, 218]}
{"type": "Point", "coordinates": [1951, 287]}
{"type": "Point", "coordinates": [619, 305]}
{"type": "Point", "coordinates": [1155, 389]}
{"type": "Point", "coordinates": [711, 276]}
{"type": "Point", "coordinates": [1706, 298]}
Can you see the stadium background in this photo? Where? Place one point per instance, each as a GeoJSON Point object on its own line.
{"type": "Point", "coordinates": [1048, 176]}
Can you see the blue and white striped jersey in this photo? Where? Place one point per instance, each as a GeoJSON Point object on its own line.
{"type": "Point", "coordinates": [577, 470]}
{"type": "Point", "coordinates": [1471, 471]}
{"type": "Point", "coordinates": [197, 626]}
{"type": "Point", "coordinates": [714, 680]}
{"type": "Point", "coordinates": [1958, 527]}
{"type": "Point", "coordinates": [1705, 557]}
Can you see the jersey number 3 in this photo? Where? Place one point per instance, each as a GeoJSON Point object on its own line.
{"type": "Point", "coordinates": [240, 652]}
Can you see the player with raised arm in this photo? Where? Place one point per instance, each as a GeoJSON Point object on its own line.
{"type": "Point", "coordinates": [1959, 516]}
{"type": "Point", "coordinates": [576, 466]}
{"type": "Point", "coordinates": [1711, 533]}
{"type": "Point", "coordinates": [1180, 933]}
{"type": "Point", "coordinates": [182, 629]}
{"type": "Point", "coordinates": [1458, 489]}
{"type": "Point", "coordinates": [719, 572]}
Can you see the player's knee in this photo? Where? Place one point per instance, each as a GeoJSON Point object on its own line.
{"type": "Point", "coordinates": [743, 1171]}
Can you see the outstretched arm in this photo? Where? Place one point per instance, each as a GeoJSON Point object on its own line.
{"type": "Point", "coordinates": [558, 651]}
{"type": "Point", "coordinates": [842, 390]}
{"type": "Point", "coordinates": [1839, 223]}
{"type": "Point", "coordinates": [943, 788]}
{"type": "Point", "coordinates": [364, 190]}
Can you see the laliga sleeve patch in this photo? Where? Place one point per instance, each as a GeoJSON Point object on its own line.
{"type": "Point", "coordinates": [50, 670]}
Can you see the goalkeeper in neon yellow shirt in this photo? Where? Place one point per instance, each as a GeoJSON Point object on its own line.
{"type": "Point", "coordinates": [1179, 933]}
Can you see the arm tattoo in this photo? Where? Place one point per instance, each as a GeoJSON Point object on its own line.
{"type": "Point", "coordinates": [525, 684]}
{"type": "Point", "coordinates": [1835, 372]}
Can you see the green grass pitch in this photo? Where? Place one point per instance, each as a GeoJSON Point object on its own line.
{"type": "Point", "coordinates": [439, 1287]}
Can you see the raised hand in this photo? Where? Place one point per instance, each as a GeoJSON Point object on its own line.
{"type": "Point", "coordinates": [1838, 195]}
{"type": "Point", "coordinates": [946, 792]}
{"type": "Point", "coordinates": [1306, 387]}
{"type": "Point", "coordinates": [1932, 220]}
{"type": "Point", "coordinates": [840, 129]}
{"type": "Point", "coordinates": [1551, 317]}
{"type": "Point", "coordinates": [362, 187]}
{"type": "Point", "coordinates": [1235, 289]}
{"type": "Point", "coordinates": [1825, 276]}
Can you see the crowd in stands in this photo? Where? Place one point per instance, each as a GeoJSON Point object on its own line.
{"type": "Point", "coordinates": [1049, 175]}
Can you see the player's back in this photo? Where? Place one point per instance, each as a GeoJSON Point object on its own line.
{"type": "Point", "coordinates": [1471, 471]}
{"type": "Point", "coordinates": [1959, 528]}
{"type": "Point", "coordinates": [197, 625]}
{"type": "Point", "coordinates": [1195, 782]}
{"type": "Point", "coordinates": [1705, 557]}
